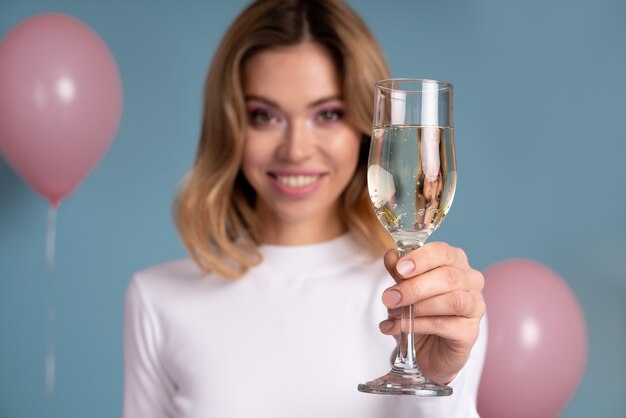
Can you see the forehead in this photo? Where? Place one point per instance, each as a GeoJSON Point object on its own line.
{"type": "Point", "coordinates": [302, 73]}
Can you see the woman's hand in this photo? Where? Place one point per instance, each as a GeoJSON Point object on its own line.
{"type": "Point", "coordinates": [445, 291]}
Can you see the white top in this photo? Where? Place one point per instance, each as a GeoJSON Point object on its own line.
{"type": "Point", "coordinates": [292, 338]}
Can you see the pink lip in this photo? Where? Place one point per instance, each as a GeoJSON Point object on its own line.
{"type": "Point", "coordinates": [293, 172]}
{"type": "Point", "coordinates": [296, 192]}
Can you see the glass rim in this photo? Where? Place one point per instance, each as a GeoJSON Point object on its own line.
{"type": "Point", "coordinates": [381, 84]}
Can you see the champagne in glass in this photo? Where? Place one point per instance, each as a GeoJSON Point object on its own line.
{"type": "Point", "coordinates": [411, 181]}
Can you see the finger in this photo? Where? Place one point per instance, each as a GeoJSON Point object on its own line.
{"type": "Point", "coordinates": [391, 258]}
{"type": "Point", "coordinates": [435, 282]}
{"type": "Point", "coordinates": [457, 303]}
{"type": "Point", "coordinates": [394, 313]}
{"type": "Point", "coordinates": [423, 259]}
{"type": "Point", "coordinates": [459, 330]}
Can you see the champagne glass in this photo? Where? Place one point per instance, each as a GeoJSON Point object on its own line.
{"type": "Point", "coordinates": [411, 180]}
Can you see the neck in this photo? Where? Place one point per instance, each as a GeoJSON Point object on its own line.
{"type": "Point", "coordinates": [301, 233]}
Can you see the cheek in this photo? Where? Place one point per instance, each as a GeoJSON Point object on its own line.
{"type": "Point", "coordinates": [346, 151]}
{"type": "Point", "coordinates": [253, 157]}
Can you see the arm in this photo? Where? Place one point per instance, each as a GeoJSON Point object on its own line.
{"type": "Point", "coordinates": [449, 323]}
{"type": "Point", "coordinates": [146, 388]}
{"type": "Point", "coordinates": [463, 402]}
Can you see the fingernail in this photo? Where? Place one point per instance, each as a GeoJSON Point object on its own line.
{"type": "Point", "coordinates": [391, 298]}
{"type": "Point", "coordinates": [386, 325]}
{"type": "Point", "coordinates": [405, 267]}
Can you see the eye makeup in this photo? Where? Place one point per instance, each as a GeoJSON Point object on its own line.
{"type": "Point", "coordinates": [330, 114]}
{"type": "Point", "coordinates": [261, 115]}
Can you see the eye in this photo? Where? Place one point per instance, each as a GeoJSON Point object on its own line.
{"type": "Point", "coordinates": [330, 115]}
{"type": "Point", "coordinates": [260, 117]}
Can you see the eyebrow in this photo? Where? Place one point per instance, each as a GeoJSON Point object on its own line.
{"type": "Point", "coordinates": [277, 106]}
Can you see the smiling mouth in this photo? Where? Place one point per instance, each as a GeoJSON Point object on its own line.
{"type": "Point", "coordinates": [296, 181]}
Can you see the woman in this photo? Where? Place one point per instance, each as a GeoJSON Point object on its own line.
{"type": "Point", "coordinates": [275, 312]}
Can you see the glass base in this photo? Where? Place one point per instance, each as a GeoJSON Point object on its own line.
{"type": "Point", "coordinates": [395, 383]}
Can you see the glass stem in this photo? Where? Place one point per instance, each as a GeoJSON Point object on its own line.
{"type": "Point", "coordinates": [406, 361]}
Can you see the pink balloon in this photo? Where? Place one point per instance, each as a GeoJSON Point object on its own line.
{"type": "Point", "coordinates": [61, 102]}
{"type": "Point", "coordinates": [537, 346]}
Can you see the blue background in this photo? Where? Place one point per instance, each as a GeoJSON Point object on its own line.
{"type": "Point", "coordinates": [540, 107]}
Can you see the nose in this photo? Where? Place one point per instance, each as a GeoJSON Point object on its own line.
{"type": "Point", "coordinates": [299, 141]}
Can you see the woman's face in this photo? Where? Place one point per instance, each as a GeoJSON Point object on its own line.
{"type": "Point", "coordinates": [300, 152]}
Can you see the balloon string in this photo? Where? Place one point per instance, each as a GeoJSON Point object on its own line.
{"type": "Point", "coordinates": [50, 358]}
{"type": "Point", "coordinates": [51, 238]}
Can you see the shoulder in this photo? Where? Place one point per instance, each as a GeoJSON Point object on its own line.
{"type": "Point", "coordinates": [183, 268]}
{"type": "Point", "coordinates": [171, 278]}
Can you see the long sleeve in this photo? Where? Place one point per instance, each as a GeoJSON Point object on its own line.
{"type": "Point", "coordinates": [146, 388]}
{"type": "Point", "coordinates": [292, 338]}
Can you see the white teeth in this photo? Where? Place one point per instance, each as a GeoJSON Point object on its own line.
{"type": "Point", "coordinates": [297, 181]}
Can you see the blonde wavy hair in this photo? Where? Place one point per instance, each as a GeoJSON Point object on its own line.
{"type": "Point", "coordinates": [214, 211]}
